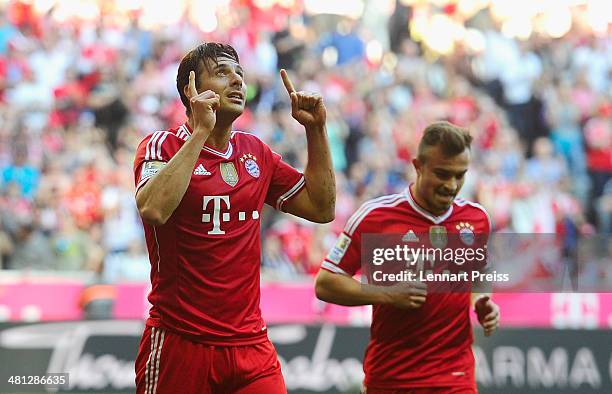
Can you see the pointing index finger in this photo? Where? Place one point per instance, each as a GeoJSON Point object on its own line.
{"type": "Point", "coordinates": [287, 81]}
{"type": "Point", "coordinates": [192, 88]}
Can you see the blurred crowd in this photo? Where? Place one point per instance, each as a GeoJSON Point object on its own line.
{"type": "Point", "coordinates": [76, 98]}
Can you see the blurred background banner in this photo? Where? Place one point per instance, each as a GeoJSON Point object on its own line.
{"type": "Point", "coordinates": [315, 358]}
{"type": "Point", "coordinates": [82, 82]}
{"type": "Point", "coordinates": [282, 303]}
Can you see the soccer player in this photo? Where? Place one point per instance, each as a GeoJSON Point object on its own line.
{"type": "Point", "coordinates": [200, 189]}
{"type": "Point", "coordinates": [420, 342]}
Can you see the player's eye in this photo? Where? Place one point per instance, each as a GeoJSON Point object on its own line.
{"type": "Point", "coordinates": [442, 175]}
{"type": "Point", "coordinates": [461, 175]}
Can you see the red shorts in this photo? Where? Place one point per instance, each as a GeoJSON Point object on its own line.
{"type": "Point", "coordinates": [169, 363]}
{"type": "Point", "coordinates": [433, 390]}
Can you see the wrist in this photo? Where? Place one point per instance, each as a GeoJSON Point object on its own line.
{"type": "Point", "coordinates": [200, 133]}
{"type": "Point", "coordinates": [201, 130]}
{"type": "Point", "coordinates": [316, 128]}
{"type": "Point", "coordinates": [385, 298]}
{"type": "Point", "coordinates": [476, 297]}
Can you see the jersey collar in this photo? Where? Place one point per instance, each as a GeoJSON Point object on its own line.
{"type": "Point", "coordinates": [423, 212]}
{"type": "Point", "coordinates": [226, 155]}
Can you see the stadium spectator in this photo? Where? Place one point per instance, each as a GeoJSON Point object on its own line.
{"type": "Point", "coordinates": [7, 32]}
{"type": "Point", "coordinates": [21, 173]}
{"type": "Point", "coordinates": [32, 250]}
{"type": "Point", "coordinates": [6, 246]}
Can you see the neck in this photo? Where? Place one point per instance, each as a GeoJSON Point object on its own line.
{"type": "Point", "coordinates": [220, 135]}
{"type": "Point", "coordinates": [422, 202]}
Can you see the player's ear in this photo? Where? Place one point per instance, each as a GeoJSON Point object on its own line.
{"type": "Point", "coordinates": [417, 165]}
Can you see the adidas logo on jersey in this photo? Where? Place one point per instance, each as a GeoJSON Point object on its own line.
{"type": "Point", "coordinates": [200, 170]}
{"type": "Point", "coordinates": [410, 236]}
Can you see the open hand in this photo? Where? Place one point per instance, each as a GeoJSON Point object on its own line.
{"type": "Point", "coordinates": [307, 108]}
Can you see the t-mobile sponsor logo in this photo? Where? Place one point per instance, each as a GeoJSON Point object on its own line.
{"type": "Point", "coordinates": [218, 216]}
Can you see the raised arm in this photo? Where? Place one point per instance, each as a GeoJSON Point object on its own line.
{"type": "Point", "coordinates": [160, 196]}
{"type": "Point", "coordinates": [317, 201]}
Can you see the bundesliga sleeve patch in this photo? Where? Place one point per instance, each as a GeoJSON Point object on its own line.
{"type": "Point", "coordinates": [151, 168]}
{"type": "Point", "coordinates": [337, 252]}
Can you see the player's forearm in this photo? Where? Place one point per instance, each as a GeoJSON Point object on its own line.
{"type": "Point", "coordinates": [160, 196]}
{"type": "Point", "coordinates": [481, 288]}
{"type": "Point", "coordinates": [319, 177]}
{"type": "Point", "coordinates": [343, 290]}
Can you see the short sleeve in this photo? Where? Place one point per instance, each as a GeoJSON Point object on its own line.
{"type": "Point", "coordinates": [344, 257]}
{"type": "Point", "coordinates": [152, 154]}
{"type": "Point", "coordinates": [285, 184]}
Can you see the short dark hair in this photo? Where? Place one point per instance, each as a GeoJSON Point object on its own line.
{"type": "Point", "coordinates": [451, 138]}
{"type": "Point", "coordinates": [195, 59]}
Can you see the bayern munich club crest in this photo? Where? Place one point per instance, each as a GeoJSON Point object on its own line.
{"type": "Point", "coordinates": [466, 233]}
{"type": "Point", "coordinates": [250, 164]}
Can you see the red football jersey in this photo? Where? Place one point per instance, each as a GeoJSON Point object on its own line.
{"type": "Point", "coordinates": [425, 347]}
{"type": "Point", "coordinates": [205, 259]}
